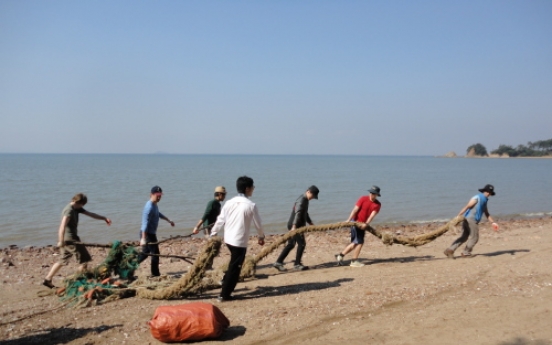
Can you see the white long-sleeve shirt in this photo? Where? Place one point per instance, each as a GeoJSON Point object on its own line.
{"type": "Point", "coordinates": [236, 217]}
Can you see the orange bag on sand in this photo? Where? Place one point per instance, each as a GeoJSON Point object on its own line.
{"type": "Point", "coordinates": [192, 321]}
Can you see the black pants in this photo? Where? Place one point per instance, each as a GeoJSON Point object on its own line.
{"type": "Point", "coordinates": [298, 239]}
{"type": "Point", "coordinates": [231, 277]}
{"type": "Point", "coordinates": [153, 249]}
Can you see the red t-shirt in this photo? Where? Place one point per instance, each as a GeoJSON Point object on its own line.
{"type": "Point", "coordinates": [366, 207]}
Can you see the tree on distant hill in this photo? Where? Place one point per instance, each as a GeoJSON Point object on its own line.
{"type": "Point", "coordinates": [541, 145]}
{"type": "Point", "coordinates": [478, 149]}
{"type": "Point", "coordinates": [533, 149]}
{"type": "Point", "coordinates": [505, 149]}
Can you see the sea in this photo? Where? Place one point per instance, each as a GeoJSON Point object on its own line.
{"type": "Point", "coordinates": [34, 188]}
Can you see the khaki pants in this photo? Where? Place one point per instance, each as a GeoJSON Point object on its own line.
{"type": "Point", "coordinates": [78, 250]}
{"type": "Point", "coordinates": [470, 233]}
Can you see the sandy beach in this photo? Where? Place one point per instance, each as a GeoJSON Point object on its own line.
{"type": "Point", "coordinates": [502, 295]}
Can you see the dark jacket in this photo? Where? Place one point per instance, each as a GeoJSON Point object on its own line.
{"type": "Point", "coordinates": [300, 213]}
{"type": "Point", "coordinates": [211, 213]}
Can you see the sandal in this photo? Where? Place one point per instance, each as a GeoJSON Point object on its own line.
{"type": "Point", "coordinates": [48, 284]}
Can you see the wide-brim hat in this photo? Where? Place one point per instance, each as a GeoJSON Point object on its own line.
{"type": "Point", "coordinates": [374, 190]}
{"type": "Point", "coordinates": [488, 188]}
{"type": "Point", "coordinates": [220, 189]}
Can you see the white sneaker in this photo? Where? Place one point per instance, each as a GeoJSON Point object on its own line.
{"type": "Point", "coordinates": [356, 264]}
{"type": "Point", "coordinates": [339, 259]}
{"type": "Point", "coordinates": [279, 266]}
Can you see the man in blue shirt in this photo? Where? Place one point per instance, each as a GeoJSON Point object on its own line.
{"type": "Point", "coordinates": [473, 212]}
{"type": "Point", "coordinates": [148, 231]}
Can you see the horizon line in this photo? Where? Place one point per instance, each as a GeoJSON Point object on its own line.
{"type": "Point", "coordinates": [219, 154]}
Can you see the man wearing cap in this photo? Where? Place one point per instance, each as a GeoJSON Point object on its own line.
{"type": "Point", "coordinates": [366, 208]}
{"type": "Point", "coordinates": [299, 217]}
{"type": "Point", "coordinates": [236, 217]}
{"type": "Point", "coordinates": [148, 231]}
{"type": "Point", "coordinates": [212, 211]}
{"type": "Point", "coordinates": [473, 212]}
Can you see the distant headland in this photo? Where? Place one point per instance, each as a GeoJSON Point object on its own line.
{"type": "Point", "coordinates": [536, 149]}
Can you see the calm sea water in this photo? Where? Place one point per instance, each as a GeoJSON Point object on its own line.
{"type": "Point", "coordinates": [35, 188]}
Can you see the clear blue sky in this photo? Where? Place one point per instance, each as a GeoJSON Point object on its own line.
{"type": "Point", "coordinates": [274, 77]}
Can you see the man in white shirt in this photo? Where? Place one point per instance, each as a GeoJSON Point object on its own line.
{"type": "Point", "coordinates": [235, 218]}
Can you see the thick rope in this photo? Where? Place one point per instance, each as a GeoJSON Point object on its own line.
{"type": "Point", "coordinates": [248, 268]}
{"type": "Point", "coordinates": [191, 283]}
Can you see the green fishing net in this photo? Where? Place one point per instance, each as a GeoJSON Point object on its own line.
{"type": "Point", "coordinates": [122, 261]}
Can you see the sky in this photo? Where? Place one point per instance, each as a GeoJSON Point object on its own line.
{"type": "Point", "coordinates": [274, 77]}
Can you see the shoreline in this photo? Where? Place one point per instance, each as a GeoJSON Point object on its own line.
{"type": "Point", "coordinates": [412, 228]}
{"type": "Point", "coordinates": [501, 157]}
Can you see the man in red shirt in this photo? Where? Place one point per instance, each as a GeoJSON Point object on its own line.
{"type": "Point", "coordinates": [364, 211]}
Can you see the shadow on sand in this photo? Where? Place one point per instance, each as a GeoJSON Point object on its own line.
{"type": "Point", "coordinates": [61, 335]}
{"type": "Point", "coordinates": [524, 341]}
{"type": "Point", "coordinates": [271, 291]}
{"type": "Point", "coordinates": [503, 252]}
{"type": "Point", "coordinates": [231, 333]}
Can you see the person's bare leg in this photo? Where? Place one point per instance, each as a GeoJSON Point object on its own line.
{"type": "Point", "coordinates": [348, 249]}
{"type": "Point", "coordinates": [55, 268]}
{"type": "Point", "coordinates": [357, 250]}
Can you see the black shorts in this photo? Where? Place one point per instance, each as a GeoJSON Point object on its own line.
{"type": "Point", "coordinates": [357, 235]}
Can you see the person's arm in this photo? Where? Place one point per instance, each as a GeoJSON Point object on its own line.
{"type": "Point", "coordinates": [221, 220]}
{"type": "Point", "coordinates": [196, 227]}
{"type": "Point", "coordinates": [61, 231]}
{"type": "Point", "coordinates": [370, 218]}
{"type": "Point", "coordinates": [469, 205]}
{"type": "Point", "coordinates": [490, 219]}
{"type": "Point", "coordinates": [353, 214]}
{"type": "Point", "coordinates": [146, 215]}
{"type": "Point", "coordinates": [97, 216]}
{"type": "Point", "coordinates": [309, 220]}
{"type": "Point", "coordinates": [258, 225]}
{"type": "Point", "coordinates": [204, 218]}
{"type": "Point", "coordinates": [162, 216]}
{"type": "Point", "coordinates": [300, 209]}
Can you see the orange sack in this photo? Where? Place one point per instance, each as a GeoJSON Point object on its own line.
{"type": "Point", "coordinates": [192, 321]}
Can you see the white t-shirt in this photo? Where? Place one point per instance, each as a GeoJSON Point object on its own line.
{"type": "Point", "coordinates": [236, 217]}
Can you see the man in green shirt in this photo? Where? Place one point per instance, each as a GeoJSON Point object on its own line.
{"type": "Point", "coordinates": [212, 211]}
{"type": "Point", "coordinates": [68, 235]}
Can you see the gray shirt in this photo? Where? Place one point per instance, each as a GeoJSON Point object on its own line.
{"type": "Point", "coordinates": [71, 233]}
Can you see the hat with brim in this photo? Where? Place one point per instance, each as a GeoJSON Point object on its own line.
{"type": "Point", "coordinates": [220, 189]}
{"type": "Point", "coordinates": [488, 188]}
{"type": "Point", "coordinates": [314, 190]}
{"type": "Point", "coordinates": [374, 190]}
{"type": "Point", "coordinates": [156, 190]}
